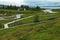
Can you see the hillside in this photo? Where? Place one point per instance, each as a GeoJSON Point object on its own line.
{"type": "Point", "coordinates": [46, 29]}
{"type": "Point", "coordinates": [49, 30]}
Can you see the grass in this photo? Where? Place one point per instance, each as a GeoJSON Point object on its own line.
{"type": "Point", "coordinates": [42, 16]}
{"type": "Point", "coordinates": [2, 22]}
{"type": "Point", "coordinates": [45, 30]}
{"type": "Point", "coordinates": [42, 31]}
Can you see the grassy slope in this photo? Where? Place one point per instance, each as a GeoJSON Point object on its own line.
{"type": "Point", "coordinates": [49, 30]}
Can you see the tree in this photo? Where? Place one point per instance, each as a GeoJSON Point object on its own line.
{"type": "Point", "coordinates": [9, 7]}
{"type": "Point", "coordinates": [37, 7]}
{"type": "Point", "coordinates": [14, 7]}
{"type": "Point", "coordinates": [3, 7]}
{"type": "Point", "coordinates": [26, 7]}
{"type": "Point", "coordinates": [22, 7]}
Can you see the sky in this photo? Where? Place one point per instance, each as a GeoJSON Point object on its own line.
{"type": "Point", "coordinates": [12, 2]}
{"type": "Point", "coordinates": [25, 2]}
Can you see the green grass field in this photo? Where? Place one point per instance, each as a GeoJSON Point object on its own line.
{"type": "Point", "coordinates": [46, 29]}
{"type": "Point", "coordinates": [49, 30]}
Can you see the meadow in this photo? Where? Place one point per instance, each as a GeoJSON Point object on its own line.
{"type": "Point", "coordinates": [47, 29]}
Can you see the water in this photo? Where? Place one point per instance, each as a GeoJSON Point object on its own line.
{"type": "Point", "coordinates": [52, 7]}
{"type": "Point", "coordinates": [43, 4]}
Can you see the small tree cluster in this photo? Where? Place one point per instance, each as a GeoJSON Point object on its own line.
{"type": "Point", "coordinates": [22, 7]}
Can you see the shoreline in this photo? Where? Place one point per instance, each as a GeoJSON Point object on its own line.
{"type": "Point", "coordinates": [51, 7]}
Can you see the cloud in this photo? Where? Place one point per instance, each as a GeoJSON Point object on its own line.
{"type": "Point", "coordinates": [13, 2]}
{"type": "Point", "coordinates": [20, 2]}
{"type": "Point", "coordinates": [54, 0]}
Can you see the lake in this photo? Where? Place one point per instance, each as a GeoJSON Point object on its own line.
{"type": "Point", "coordinates": [51, 7]}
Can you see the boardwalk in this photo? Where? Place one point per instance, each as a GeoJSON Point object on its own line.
{"type": "Point", "coordinates": [6, 25]}
{"type": "Point", "coordinates": [42, 21]}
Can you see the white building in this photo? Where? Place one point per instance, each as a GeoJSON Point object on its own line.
{"type": "Point", "coordinates": [18, 16]}
{"type": "Point", "coordinates": [6, 26]}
